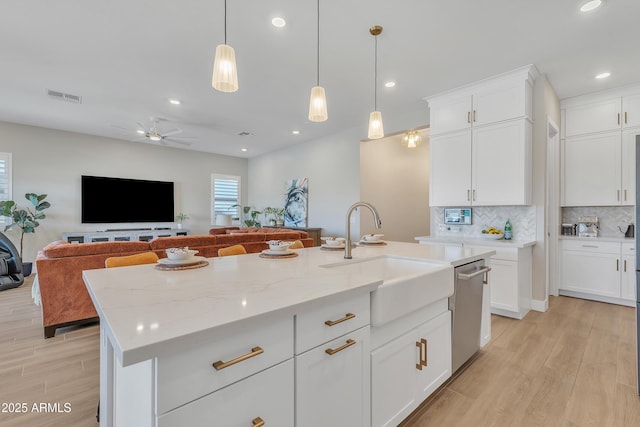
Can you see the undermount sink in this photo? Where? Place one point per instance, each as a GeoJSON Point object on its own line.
{"type": "Point", "coordinates": [408, 284]}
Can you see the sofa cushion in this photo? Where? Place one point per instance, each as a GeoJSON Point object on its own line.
{"type": "Point", "coordinates": [182, 241]}
{"type": "Point", "coordinates": [64, 249]}
{"type": "Point", "coordinates": [232, 239]}
{"type": "Point", "coordinates": [222, 230]}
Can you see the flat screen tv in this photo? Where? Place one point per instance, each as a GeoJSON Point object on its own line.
{"type": "Point", "coordinates": [119, 200]}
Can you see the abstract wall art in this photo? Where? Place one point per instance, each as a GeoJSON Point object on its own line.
{"type": "Point", "coordinates": [295, 202]}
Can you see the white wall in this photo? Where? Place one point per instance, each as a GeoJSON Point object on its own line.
{"type": "Point", "coordinates": [332, 166]}
{"type": "Point", "coordinates": [395, 179]}
{"type": "Point", "coordinates": [50, 161]}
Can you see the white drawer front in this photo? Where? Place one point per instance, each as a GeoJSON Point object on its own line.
{"type": "Point", "coordinates": [591, 246]}
{"type": "Point", "coordinates": [322, 323]}
{"type": "Point", "coordinates": [628, 249]}
{"type": "Point", "coordinates": [267, 396]}
{"type": "Point", "coordinates": [190, 374]}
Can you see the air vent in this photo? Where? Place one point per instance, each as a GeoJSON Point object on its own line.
{"type": "Point", "coordinates": [243, 133]}
{"type": "Point", "coordinates": [60, 96]}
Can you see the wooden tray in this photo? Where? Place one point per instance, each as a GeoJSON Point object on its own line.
{"type": "Point", "coordinates": [167, 267]}
{"type": "Point", "coordinates": [267, 256]}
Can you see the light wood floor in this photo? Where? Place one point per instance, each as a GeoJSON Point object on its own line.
{"type": "Point", "coordinates": [574, 365]}
{"type": "Point", "coordinates": [571, 366]}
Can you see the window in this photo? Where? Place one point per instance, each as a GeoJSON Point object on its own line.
{"type": "Point", "coordinates": [5, 180]}
{"type": "Point", "coordinates": [225, 194]}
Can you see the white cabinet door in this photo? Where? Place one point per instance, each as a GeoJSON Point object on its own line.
{"type": "Point", "coordinates": [628, 279]}
{"type": "Point", "coordinates": [592, 273]}
{"type": "Point", "coordinates": [501, 164]}
{"type": "Point", "coordinates": [503, 280]}
{"type": "Point", "coordinates": [599, 116]}
{"type": "Point", "coordinates": [592, 170]}
{"type": "Point", "coordinates": [266, 396]}
{"type": "Point", "coordinates": [413, 366]}
{"type": "Point", "coordinates": [333, 389]}
{"type": "Point", "coordinates": [499, 102]}
{"type": "Point", "coordinates": [450, 114]}
{"type": "Point", "coordinates": [631, 110]}
{"type": "Point", "coordinates": [450, 180]}
{"type": "Point", "coordinates": [629, 166]}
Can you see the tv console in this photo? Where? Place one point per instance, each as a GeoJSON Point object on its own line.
{"type": "Point", "coordinates": [122, 235]}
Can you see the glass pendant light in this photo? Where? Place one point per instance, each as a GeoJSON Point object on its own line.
{"type": "Point", "coordinates": [225, 73]}
{"type": "Point", "coordinates": [412, 138]}
{"type": "Point", "coordinates": [318, 100]}
{"type": "Point", "coordinates": [376, 130]}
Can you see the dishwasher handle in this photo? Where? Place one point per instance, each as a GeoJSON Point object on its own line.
{"type": "Point", "coordinates": [465, 276]}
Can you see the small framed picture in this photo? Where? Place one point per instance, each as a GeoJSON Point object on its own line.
{"type": "Point", "coordinates": [457, 216]}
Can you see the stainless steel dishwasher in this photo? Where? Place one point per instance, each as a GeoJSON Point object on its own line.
{"type": "Point", "coordinates": [466, 311]}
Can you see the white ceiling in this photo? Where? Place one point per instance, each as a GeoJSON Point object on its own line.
{"type": "Point", "coordinates": [126, 58]}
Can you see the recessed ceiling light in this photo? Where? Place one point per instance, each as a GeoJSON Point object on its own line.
{"type": "Point", "coordinates": [603, 75]}
{"type": "Point", "coordinates": [175, 101]}
{"type": "Point", "coordinates": [390, 84]}
{"type": "Point", "coordinates": [244, 149]}
{"type": "Point", "coordinates": [590, 5]}
{"type": "Point", "coordinates": [295, 132]}
{"type": "Point", "coordinates": [278, 22]}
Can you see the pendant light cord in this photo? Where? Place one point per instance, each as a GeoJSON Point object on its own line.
{"type": "Point", "coordinates": [225, 21]}
{"type": "Point", "coordinates": [317, 46]}
{"type": "Point", "coordinates": [375, 78]}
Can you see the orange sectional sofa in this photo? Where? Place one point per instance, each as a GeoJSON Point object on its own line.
{"type": "Point", "coordinates": [64, 297]}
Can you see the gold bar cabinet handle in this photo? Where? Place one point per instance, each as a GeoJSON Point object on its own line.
{"type": "Point", "coordinates": [332, 351]}
{"type": "Point", "coordinates": [625, 117]}
{"type": "Point", "coordinates": [254, 352]}
{"type": "Point", "coordinates": [257, 422]}
{"type": "Point", "coordinates": [468, 116]}
{"type": "Point", "coordinates": [617, 265]}
{"type": "Point", "coordinates": [424, 343]}
{"type": "Point", "coordinates": [344, 319]}
{"type": "Point", "coordinates": [618, 118]}
{"type": "Point", "coordinates": [474, 116]}
{"type": "Point", "coordinates": [419, 364]}
{"type": "Point", "coordinates": [625, 265]}
{"type": "Point", "coordinates": [618, 195]}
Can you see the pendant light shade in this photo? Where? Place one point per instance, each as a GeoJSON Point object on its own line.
{"type": "Point", "coordinates": [225, 72]}
{"type": "Point", "coordinates": [412, 138]}
{"type": "Point", "coordinates": [376, 130]}
{"type": "Point", "coordinates": [317, 105]}
{"type": "Point", "coordinates": [318, 100]}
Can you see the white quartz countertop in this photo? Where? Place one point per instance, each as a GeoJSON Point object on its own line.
{"type": "Point", "coordinates": [144, 311]}
{"type": "Point", "coordinates": [600, 239]}
{"type": "Point", "coordinates": [477, 241]}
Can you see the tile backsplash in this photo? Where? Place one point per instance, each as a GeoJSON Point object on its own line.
{"type": "Point", "coordinates": [523, 221]}
{"type": "Point", "coordinates": [609, 217]}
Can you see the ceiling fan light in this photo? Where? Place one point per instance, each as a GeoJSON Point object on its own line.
{"type": "Point", "coordinates": [318, 105]}
{"type": "Point", "coordinates": [376, 129]}
{"type": "Point", "coordinates": [155, 137]}
{"type": "Point", "coordinates": [225, 72]}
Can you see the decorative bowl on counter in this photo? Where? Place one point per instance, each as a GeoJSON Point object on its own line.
{"type": "Point", "coordinates": [179, 254]}
{"type": "Point", "coordinates": [279, 245]}
{"type": "Point", "coordinates": [493, 236]}
{"type": "Point", "coordinates": [372, 237]}
{"type": "Point", "coordinates": [333, 241]}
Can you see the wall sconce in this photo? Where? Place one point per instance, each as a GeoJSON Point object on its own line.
{"type": "Point", "coordinates": [412, 138]}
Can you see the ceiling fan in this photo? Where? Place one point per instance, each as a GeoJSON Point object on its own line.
{"type": "Point", "coordinates": [153, 133]}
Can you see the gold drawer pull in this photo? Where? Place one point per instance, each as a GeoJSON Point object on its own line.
{"type": "Point", "coordinates": [332, 351]}
{"type": "Point", "coordinates": [257, 422]}
{"type": "Point", "coordinates": [422, 345]}
{"type": "Point", "coordinates": [254, 352]}
{"type": "Point", "coordinates": [335, 322]}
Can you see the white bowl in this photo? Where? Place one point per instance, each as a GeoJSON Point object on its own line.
{"type": "Point", "coordinates": [279, 245]}
{"type": "Point", "coordinates": [372, 237]}
{"type": "Point", "coordinates": [493, 236]}
{"type": "Point", "coordinates": [335, 241]}
{"type": "Point", "coordinates": [177, 254]}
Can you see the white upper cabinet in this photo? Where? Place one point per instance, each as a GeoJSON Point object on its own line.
{"type": "Point", "coordinates": [505, 97]}
{"type": "Point", "coordinates": [599, 148]}
{"type": "Point", "coordinates": [600, 116]}
{"type": "Point", "coordinates": [480, 142]}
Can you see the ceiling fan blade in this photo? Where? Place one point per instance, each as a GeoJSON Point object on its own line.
{"type": "Point", "coordinates": [171, 132]}
{"type": "Point", "coordinates": [122, 128]}
{"type": "Point", "coordinates": [142, 127]}
{"type": "Point", "coordinates": [184, 137]}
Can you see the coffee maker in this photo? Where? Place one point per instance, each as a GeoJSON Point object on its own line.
{"type": "Point", "coordinates": [588, 226]}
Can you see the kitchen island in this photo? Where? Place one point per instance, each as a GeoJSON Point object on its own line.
{"type": "Point", "coordinates": [183, 347]}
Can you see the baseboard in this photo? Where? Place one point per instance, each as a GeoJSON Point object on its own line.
{"type": "Point", "coordinates": [540, 305]}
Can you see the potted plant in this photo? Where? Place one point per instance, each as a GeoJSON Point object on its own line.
{"type": "Point", "coordinates": [270, 215]}
{"type": "Point", "coordinates": [26, 219]}
{"type": "Point", "coordinates": [181, 217]}
{"type": "Point", "coordinates": [280, 217]}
